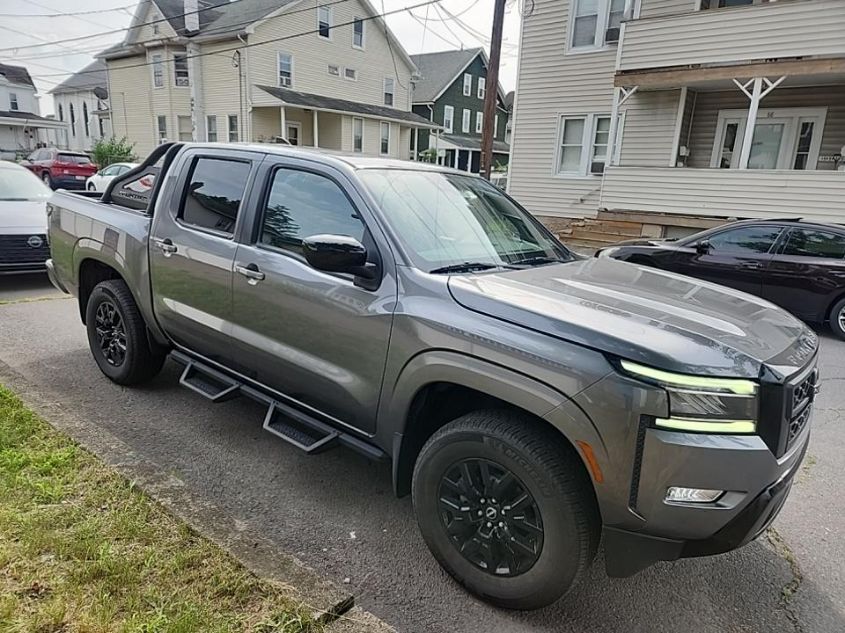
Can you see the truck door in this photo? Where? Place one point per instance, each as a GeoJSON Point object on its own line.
{"type": "Point", "coordinates": [192, 248]}
{"type": "Point", "coordinates": [314, 336]}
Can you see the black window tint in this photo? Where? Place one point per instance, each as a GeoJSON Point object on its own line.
{"type": "Point", "coordinates": [214, 194]}
{"type": "Point", "coordinates": [752, 239]}
{"type": "Point", "coordinates": [302, 204]}
{"type": "Point", "coordinates": [807, 243]}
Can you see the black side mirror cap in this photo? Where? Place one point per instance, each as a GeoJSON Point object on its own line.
{"type": "Point", "coordinates": [338, 254]}
{"type": "Point", "coordinates": [703, 247]}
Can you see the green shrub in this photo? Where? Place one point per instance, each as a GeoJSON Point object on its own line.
{"type": "Point", "coordinates": [113, 150]}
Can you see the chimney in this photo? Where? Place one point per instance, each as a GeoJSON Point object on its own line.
{"type": "Point", "coordinates": [192, 16]}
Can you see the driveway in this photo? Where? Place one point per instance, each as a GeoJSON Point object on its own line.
{"type": "Point", "coordinates": [336, 511]}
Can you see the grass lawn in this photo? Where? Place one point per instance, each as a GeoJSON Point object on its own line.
{"type": "Point", "coordinates": [82, 551]}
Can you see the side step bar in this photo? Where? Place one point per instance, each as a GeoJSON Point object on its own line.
{"type": "Point", "coordinates": [293, 425]}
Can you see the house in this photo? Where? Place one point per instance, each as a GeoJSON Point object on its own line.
{"type": "Point", "coordinates": [22, 128]}
{"type": "Point", "coordinates": [324, 75]}
{"type": "Point", "coordinates": [670, 115]}
{"type": "Point", "coordinates": [81, 100]}
{"type": "Point", "coordinates": [450, 92]}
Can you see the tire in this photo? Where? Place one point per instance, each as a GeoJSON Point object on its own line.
{"type": "Point", "coordinates": [124, 354]}
{"type": "Point", "coordinates": [91, 187]}
{"type": "Point", "coordinates": [47, 179]}
{"type": "Point", "coordinates": [837, 318]}
{"type": "Point", "coordinates": [562, 504]}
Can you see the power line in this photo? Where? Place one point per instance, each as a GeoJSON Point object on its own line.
{"type": "Point", "coordinates": [433, 32]}
{"type": "Point", "coordinates": [61, 15]}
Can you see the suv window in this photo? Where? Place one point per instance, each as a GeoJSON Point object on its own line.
{"type": "Point", "coordinates": [751, 239]}
{"type": "Point", "coordinates": [302, 204]}
{"type": "Point", "coordinates": [809, 243]}
{"type": "Point", "coordinates": [214, 193]}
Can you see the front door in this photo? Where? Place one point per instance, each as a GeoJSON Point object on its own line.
{"type": "Point", "coordinates": [316, 337]}
{"type": "Point", "coordinates": [192, 249]}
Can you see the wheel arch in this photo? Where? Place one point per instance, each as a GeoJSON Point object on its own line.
{"type": "Point", "coordinates": [829, 309]}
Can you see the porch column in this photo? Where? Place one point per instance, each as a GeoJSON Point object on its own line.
{"type": "Point", "coordinates": [755, 95]}
{"type": "Point", "coordinates": [283, 122]}
{"type": "Point", "coordinates": [620, 96]}
{"type": "Point", "coordinates": [416, 144]}
{"type": "Point", "coordinates": [316, 129]}
{"type": "Point", "coordinates": [679, 123]}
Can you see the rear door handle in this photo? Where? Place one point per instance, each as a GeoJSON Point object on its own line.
{"type": "Point", "coordinates": [166, 245]}
{"type": "Point", "coordinates": [251, 272]}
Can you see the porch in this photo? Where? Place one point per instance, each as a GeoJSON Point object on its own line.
{"type": "Point", "coordinates": [464, 152]}
{"type": "Point", "coordinates": [22, 132]}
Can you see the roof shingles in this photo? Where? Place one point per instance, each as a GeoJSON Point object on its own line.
{"type": "Point", "coordinates": [16, 75]}
{"type": "Point", "coordinates": [438, 70]}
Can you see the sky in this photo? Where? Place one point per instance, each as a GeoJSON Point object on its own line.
{"type": "Point", "coordinates": [23, 24]}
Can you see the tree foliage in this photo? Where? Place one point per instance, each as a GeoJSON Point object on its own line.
{"type": "Point", "coordinates": [113, 150]}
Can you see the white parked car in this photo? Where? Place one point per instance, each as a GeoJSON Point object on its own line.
{"type": "Point", "coordinates": [23, 220]}
{"type": "Point", "coordinates": [101, 180]}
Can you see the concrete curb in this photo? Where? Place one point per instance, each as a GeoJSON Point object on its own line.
{"type": "Point", "coordinates": [329, 603]}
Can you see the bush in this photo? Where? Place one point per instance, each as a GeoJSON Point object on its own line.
{"type": "Point", "coordinates": [113, 150]}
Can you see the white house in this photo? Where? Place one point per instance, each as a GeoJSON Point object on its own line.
{"type": "Point", "coordinates": [81, 101]}
{"type": "Point", "coordinates": [21, 126]}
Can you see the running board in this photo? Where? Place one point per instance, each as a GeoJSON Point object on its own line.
{"type": "Point", "coordinates": [208, 383]}
{"type": "Point", "coordinates": [298, 428]}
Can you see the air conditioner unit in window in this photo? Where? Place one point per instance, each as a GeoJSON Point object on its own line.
{"type": "Point", "coordinates": [612, 34]}
{"type": "Point", "coordinates": [597, 167]}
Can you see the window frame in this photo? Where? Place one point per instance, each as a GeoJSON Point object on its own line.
{"type": "Point", "coordinates": [467, 84]}
{"type": "Point", "coordinates": [354, 77]}
{"type": "Point", "coordinates": [466, 121]}
{"type": "Point", "coordinates": [208, 119]}
{"type": "Point", "coordinates": [229, 118]}
{"type": "Point", "coordinates": [180, 118]}
{"type": "Point", "coordinates": [355, 120]}
{"type": "Point", "coordinates": [450, 128]}
{"type": "Point", "coordinates": [602, 24]}
{"type": "Point", "coordinates": [479, 122]}
{"type": "Point", "coordinates": [356, 20]}
{"type": "Point", "coordinates": [588, 137]}
{"type": "Point", "coordinates": [185, 181]}
{"type": "Point", "coordinates": [391, 92]}
{"type": "Point", "coordinates": [381, 138]}
{"type": "Point", "coordinates": [176, 71]}
{"type": "Point", "coordinates": [157, 69]}
{"type": "Point", "coordinates": [296, 125]}
{"type": "Point", "coordinates": [328, 9]}
{"type": "Point", "coordinates": [85, 121]}
{"type": "Point", "coordinates": [14, 105]}
{"type": "Point", "coordinates": [159, 119]}
{"type": "Point", "coordinates": [279, 83]}
{"type": "Point", "coordinates": [336, 67]}
{"type": "Point", "coordinates": [481, 91]}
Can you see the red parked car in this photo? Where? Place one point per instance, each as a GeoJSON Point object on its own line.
{"type": "Point", "coordinates": [60, 169]}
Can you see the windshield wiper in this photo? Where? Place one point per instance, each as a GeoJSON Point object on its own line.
{"type": "Point", "coordinates": [466, 267]}
{"type": "Point", "coordinates": [537, 261]}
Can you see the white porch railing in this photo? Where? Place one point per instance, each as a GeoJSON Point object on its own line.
{"type": "Point", "coordinates": [791, 28]}
{"type": "Point", "coordinates": [814, 195]}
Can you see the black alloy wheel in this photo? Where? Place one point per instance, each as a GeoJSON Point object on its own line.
{"type": "Point", "coordinates": [111, 333]}
{"type": "Point", "coordinates": [490, 517]}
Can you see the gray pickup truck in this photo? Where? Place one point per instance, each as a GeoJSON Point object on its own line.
{"type": "Point", "coordinates": [533, 402]}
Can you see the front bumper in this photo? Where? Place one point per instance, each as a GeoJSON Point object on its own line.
{"type": "Point", "coordinates": [54, 278]}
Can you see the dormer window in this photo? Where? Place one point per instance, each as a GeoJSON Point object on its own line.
{"type": "Point", "coordinates": [155, 22]}
{"type": "Point", "coordinates": [13, 101]}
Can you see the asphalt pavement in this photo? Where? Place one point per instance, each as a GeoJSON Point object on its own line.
{"type": "Point", "coordinates": [336, 511]}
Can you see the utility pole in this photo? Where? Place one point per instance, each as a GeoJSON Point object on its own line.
{"type": "Point", "coordinates": [492, 96]}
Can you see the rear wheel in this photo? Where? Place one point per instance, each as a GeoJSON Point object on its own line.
{"type": "Point", "coordinates": [47, 179]}
{"type": "Point", "coordinates": [117, 335]}
{"type": "Point", "coordinates": [837, 318]}
{"type": "Point", "coordinates": [506, 508]}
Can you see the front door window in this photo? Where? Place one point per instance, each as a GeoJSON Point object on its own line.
{"type": "Point", "coordinates": [766, 146]}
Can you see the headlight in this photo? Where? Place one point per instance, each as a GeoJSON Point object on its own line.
{"type": "Point", "coordinates": [701, 403]}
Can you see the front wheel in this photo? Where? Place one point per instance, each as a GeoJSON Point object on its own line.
{"type": "Point", "coordinates": [117, 335]}
{"type": "Point", "coordinates": [506, 507]}
{"type": "Point", "coordinates": [91, 187]}
{"type": "Point", "coordinates": [837, 318]}
{"type": "Point", "coordinates": [45, 177]}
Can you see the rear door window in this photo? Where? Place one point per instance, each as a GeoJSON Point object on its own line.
{"type": "Point", "coordinates": [213, 196]}
{"type": "Point", "coordinates": [814, 243]}
{"type": "Point", "coordinates": [746, 240]}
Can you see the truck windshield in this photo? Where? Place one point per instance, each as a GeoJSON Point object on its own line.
{"type": "Point", "coordinates": [16, 183]}
{"type": "Point", "coordinates": [453, 223]}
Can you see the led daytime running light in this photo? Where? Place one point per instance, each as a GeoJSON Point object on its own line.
{"type": "Point", "coordinates": [738, 386]}
{"type": "Point", "coordinates": [707, 426]}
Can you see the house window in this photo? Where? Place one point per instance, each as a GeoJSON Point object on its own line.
{"type": "Point", "coordinates": [294, 133]}
{"type": "Point", "coordinates": [211, 128]}
{"type": "Point", "coordinates": [496, 126]}
{"type": "Point", "coordinates": [358, 33]}
{"type": "Point", "coordinates": [233, 128]}
{"type": "Point", "coordinates": [13, 101]}
{"type": "Point", "coordinates": [358, 135]}
{"type": "Point", "coordinates": [388, 91]}
{"type": "Point", "coordinates": [100, 126]}
{"type": "Point", "coordinates": [72, 121]}
{"type": "Point", "coordinates": [334, 69]}
{"type": "Point", "coordinates": [180, 69]}
{"type": "Point", "coordinates": [482, 87]}
{"type": "Point", "coordinates": [155, 22]}
{"type": "Point", "coordinates": [161, 128]}
{"type": "Point", "coordinates": [185, 128]}
{"type": "Point", "coordinates": [85, 119]}
{"type": "Point", "coordinates": [467, 84]}
{"type": "Point", "coordinates": [384, 147]}
{"type": "Point", "coordinates": [285, 70]}
{"type": "Point", "coordinates": [721, 4]}
{"type": "Point", "coordinates": [324, 21]}
{"type": "Point", "coordinates": [61, 113]}
{"type": "Point", "coordinates": [158, 71]}
{"type": "Point", "coordinates": [465, 121]}
{"type": "Point", "coordinates": [449, 118]}
{"type": "Point", "coordinates": [479, 122]}
{"type": "Point", "coordinates": [351, 74]}
{"type": "Point", "coordinates": [601, 141]}
{"type": "Point", "coordinates": [595, 23]}
{"type": "Point", "coordinates": [583, 145]}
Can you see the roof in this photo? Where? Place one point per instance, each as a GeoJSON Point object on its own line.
{"type": "Point", "coordinates": [474, 142]}
{"type": "Point", "coordinates": [16, 75]}
{"type": "Point", "coordinates": [93, 76]}
{"type": "Point", "coordinates": [438, 70]}
{"type": "Point", "coordinates": [27, 116]}
{"type": "Point", "coordinates": [320, 102]}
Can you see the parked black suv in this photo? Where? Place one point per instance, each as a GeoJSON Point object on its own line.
{"type": "Point", "coordinates": [798, 265]}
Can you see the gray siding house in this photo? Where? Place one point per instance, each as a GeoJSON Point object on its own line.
{"type": "Point", "coordinates": [664, 111]}
{"type": "Point", "coordinates": [449, 91]}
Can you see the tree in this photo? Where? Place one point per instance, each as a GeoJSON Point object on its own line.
{"type": "Point", "coordinates": [113, 150]}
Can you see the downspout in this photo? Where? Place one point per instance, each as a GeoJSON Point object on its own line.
{"type": "Point", "coordinates": [248, 105]}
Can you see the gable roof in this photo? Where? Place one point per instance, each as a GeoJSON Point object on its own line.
{"type": "Point", "coordinates": [439, 70]}
{"type": "Point", "coordinates": [16, 75]}
{"type": "Point", "coordinates": [93, 77]}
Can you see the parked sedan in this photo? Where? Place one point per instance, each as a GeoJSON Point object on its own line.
{"type": "Point", "coordinates": [101, 180]}
{"type": "Point", "coordinates": [797, 265]}
{"type": "Point", "coordinates": [60, 169]}
{"type": "Point", "coordinates": [23, 221]}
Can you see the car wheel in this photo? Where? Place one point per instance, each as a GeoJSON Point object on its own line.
{"type": "Point", "coordinates": [837, 318]}
{"type": "Point", "coordinates": [91, 187]}
{"type": "Point", "coordinates": [48, 180]}
{"type": "Point", "coordinates": [506, 507]}
{"type": "Point", "coordinates": [117, 335]}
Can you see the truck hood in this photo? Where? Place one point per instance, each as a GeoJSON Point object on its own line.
{"type": "Point", "coordinates": [644, 314]}
{"type": "Point", "coordinates": [25, 217]}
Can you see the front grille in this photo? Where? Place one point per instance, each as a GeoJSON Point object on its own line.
{"type": "Point", "coordinates": [803, 394]}
{"type": "Point", "coordinates": [16, 249]}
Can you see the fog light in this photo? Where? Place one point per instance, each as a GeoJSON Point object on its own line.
{"type": "Point", "coordinates": [692, 495]}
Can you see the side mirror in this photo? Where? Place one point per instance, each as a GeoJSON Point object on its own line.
{"type": "Point", "coordinates": [338, 254]}
{"type": "Point", "coordinates": [703, 247]}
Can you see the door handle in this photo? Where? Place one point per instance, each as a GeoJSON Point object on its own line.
{"type": "Point", "coordinates": [251, 272]}
{"type": "Point", "coordinates": [166, 245]}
